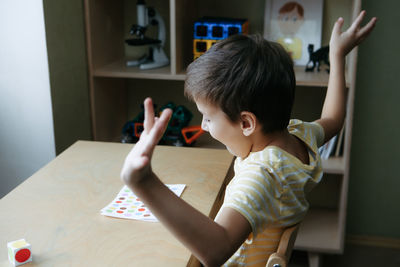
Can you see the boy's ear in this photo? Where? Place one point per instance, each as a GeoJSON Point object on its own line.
{"type": "Point", "coordinates": [248, 122]}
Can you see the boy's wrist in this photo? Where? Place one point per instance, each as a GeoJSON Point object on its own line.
{"type": "Point", "coordinates": [145, 182]}
{"type": "Point", "coordinates": [336, 57]}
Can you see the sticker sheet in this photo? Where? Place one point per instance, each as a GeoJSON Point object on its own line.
{"type": "Point", "coordinates": [128, 206]}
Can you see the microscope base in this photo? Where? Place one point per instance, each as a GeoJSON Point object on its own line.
{"type": "Point", "coordinates": [135, 63]}
{"type": "Point", "coordinates": [156, 59]}
{"type": "Point", "coordinates": [153, 65]}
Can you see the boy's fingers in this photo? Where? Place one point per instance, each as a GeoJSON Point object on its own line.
{"type": "Point", "coordinates": [337, 28]}
{"type": "Point", "coordinates": [366, 30]}
{"type": "Point", "coordinates": [161, 124]}
{"type": "Point", "coordinates": [157, 131]}
{"type": "Point", "coordinates": [357, 22]}
{"type": "Point", "coordinates": [148, 115]}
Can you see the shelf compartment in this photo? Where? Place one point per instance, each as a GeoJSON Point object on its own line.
{"type": "Point", "coordinates": [320, 232]}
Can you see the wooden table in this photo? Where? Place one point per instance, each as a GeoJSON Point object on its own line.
{"type": "Point", "coordinates": [57, 210]}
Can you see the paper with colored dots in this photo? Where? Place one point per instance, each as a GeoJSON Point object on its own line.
{"type": "Point", "coordinates": [128, 206]}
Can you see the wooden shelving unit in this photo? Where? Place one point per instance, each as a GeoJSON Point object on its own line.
{"type": "Point", "coordinates": [111, 81]}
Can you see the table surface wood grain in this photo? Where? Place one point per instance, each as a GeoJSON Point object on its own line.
{"type": "Point", "coordinates": [57, 210]}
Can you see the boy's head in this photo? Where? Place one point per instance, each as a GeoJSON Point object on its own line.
{"type": "Point", "coordinates": [245, 73]}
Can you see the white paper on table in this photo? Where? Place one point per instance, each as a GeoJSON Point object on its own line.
{"type": "Point", "coordinates": [128, 206]}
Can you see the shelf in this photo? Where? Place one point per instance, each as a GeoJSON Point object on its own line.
{"type": "Point", "coordinates": [334, 165]}
{"type": "Point", "coordinates": [319, 232]}
{"type": "Point", "coordinates": [118, 69]}
{"type": "Point", "coordinates": [313, 79]}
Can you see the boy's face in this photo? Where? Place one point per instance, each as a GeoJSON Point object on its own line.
{"type": "Point", "coordinates": [229, 133]}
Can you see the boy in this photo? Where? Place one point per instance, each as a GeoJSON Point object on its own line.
{"type": "Point", "coordinates": [244, 87]}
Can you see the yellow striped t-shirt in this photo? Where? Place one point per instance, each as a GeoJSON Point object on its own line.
{"type": "Point", "coordinates": [269, 189]}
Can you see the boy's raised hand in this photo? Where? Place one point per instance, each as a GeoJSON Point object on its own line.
{"type": "Point", "coordinates": [137, 165]}
{"type": "Point", "coordinates": [342, 43]}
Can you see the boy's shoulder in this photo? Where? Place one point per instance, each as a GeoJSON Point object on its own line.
{"type": "Point", "coordinates": [270, 159]}
{"type": "Point", "coordinates": [311, 133]}
{"type": "Point", "coordinates": [273, 158]}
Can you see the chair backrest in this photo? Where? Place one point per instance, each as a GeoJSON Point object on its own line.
{"type": "Point", "coordinates": [281, 257]}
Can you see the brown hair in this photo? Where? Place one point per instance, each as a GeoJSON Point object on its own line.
{"type": "Point", "coordinates": [291, 6]}
{"type": "Point", "coordinates": [245, 73]}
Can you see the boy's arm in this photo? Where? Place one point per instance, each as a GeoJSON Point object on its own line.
{"type": "Point", "coordinates": [211, 242]}
{"type": "Point", "coordinates": [334, 109]}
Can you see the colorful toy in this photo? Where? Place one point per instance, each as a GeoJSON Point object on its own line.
{"type": "Point", "coordinates": [132, 129]}
{"type": "Point", "coordinates": [208, 30]}
{"type": "Point", "coordinates": [19, 252]}
{"type": "Point", "coordinates": [178, 133]}
{"type": "Point", "coordinates": [191, 133]}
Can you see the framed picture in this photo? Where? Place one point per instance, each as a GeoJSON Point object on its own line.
{"type": "Point", "coordinates": [294, 24]}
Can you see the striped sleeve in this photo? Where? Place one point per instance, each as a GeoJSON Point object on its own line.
{"type": "Point", "coordinates": [255, 195]}
{"type": "Point", "coordinates": [318, 132]}
{"type": "Point", "coordinates": [308, 131]}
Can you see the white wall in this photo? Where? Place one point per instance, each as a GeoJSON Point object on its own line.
{"type": "Point", "coordinates": [26, 123]}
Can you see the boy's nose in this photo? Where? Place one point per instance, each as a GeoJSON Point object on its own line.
{"type": "Point", "coordinates": [204, 126]}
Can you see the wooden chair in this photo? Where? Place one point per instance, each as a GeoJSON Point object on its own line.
{"type": "Point", "coordinates": [281, 257]}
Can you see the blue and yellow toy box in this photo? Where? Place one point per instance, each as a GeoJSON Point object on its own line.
{"type": "Point", "coordinates": [208, 30]}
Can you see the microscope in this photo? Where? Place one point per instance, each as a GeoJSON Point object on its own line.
{"type": "Point", "coordinates": [156, 57]}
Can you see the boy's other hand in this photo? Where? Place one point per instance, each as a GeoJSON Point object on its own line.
{"type": "Point", "coordinates": [137, 165]}
{"type": "Point", "coordinates": [342, 43]}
